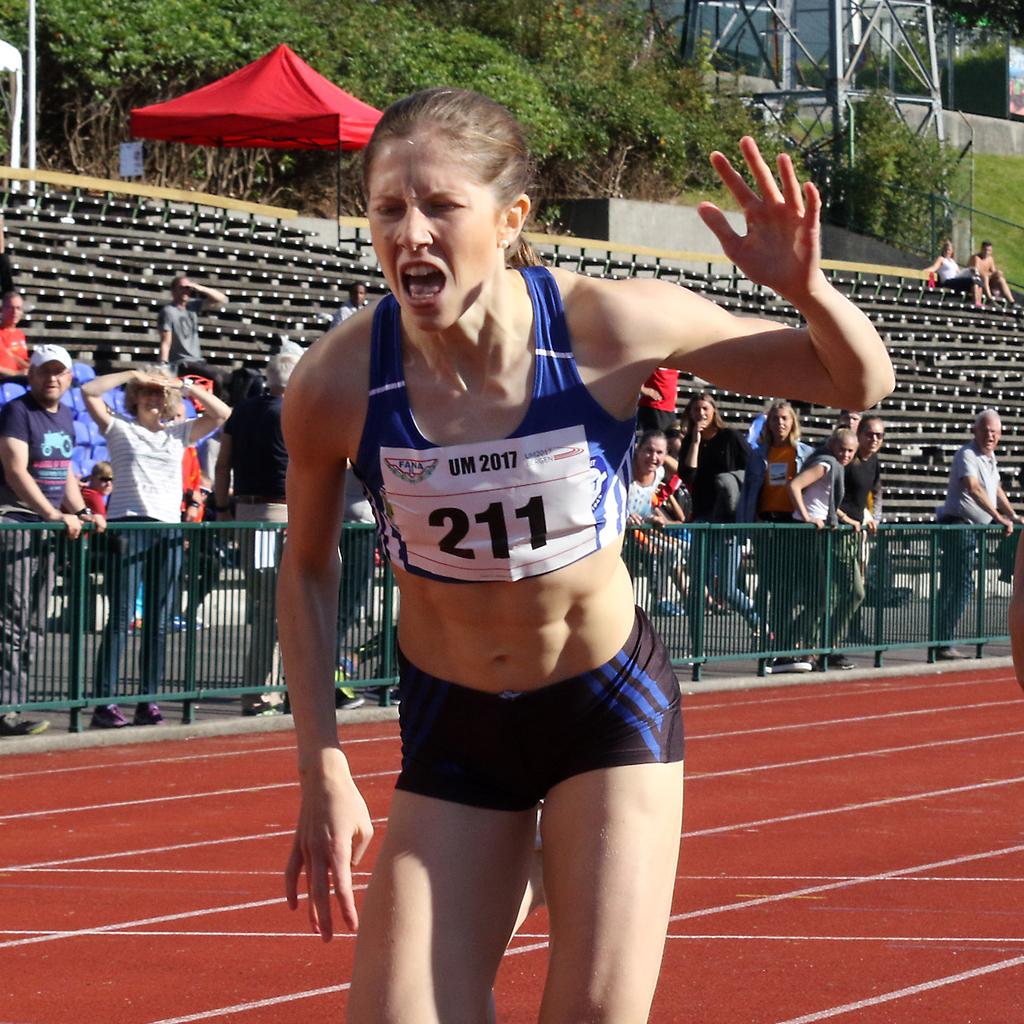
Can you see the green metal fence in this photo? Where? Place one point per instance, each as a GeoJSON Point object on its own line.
{"type": "Point", "coordinates": [182, 613]}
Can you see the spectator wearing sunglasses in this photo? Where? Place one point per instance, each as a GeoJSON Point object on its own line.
{"type": "Point", "coordinates": [861, 506]}
{"type": "Point", "coordinates": [96, 488]}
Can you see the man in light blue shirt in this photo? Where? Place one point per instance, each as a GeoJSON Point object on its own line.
{"type": "Point", "coordinates": [974, 496]}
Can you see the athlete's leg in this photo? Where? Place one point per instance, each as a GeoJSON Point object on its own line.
{"type": "Point", "coordinates": [611, 843]}
{"type": "Point", "coordinates": [439, 912]}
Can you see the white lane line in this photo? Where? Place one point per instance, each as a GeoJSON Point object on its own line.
{"type": "Point", "coordinates": [176, 796]}
{"type": "Point", "coordinates": [120, 926]}
{"type": "Point", "coordinates": [846, 883]}
{"type": "Point", "coordinates": [159, 849]}
{"type": "Point", "coordinates": [878, 751]}
{"type": "Point", "coordinates": [889, 801]}
{"type": "Point", "coordinates": [902, 993]}
{"type": "Point", "coordinates": [197, 756]}
{"type": "Point", "coordinates": [855, 719]}
{"type": "Point", "coordinates": [225, 1011]}
{"type": "Point", "coordinates": [255, 1004]}
{"type": "Point", "coordinates": [833, 692]}
{"type": "Point", "coordinates": [970, 940]}
{"type": "Point", "coordinates": [996, 879]}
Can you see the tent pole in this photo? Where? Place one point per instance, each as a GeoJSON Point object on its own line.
{"type": "Point", "coordinates": [337, 198]}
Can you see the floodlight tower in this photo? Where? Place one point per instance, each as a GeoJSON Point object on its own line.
{"type": "Point", "coordinates": [811, 60]}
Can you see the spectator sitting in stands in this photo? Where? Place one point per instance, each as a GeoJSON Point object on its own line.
{"type": "Point", "coordinates": [356, 301]}
{"type": "Point", "coordinates": [950, 276]}
{"type": "Point", "coordinates": [178, 324]}
{"type": "Point", "coordinates": [983, 262]}
{"type": "Point", "coordinates": [97, 486]}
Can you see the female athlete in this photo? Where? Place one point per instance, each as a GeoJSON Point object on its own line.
{"type": "Point", "coordinates": [488, 409]}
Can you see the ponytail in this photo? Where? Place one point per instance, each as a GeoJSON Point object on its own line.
{"type": "Point", "coordinates": [522, 254]}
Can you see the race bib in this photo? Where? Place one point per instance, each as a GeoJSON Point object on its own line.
{"type": "Point", "coordinates": [494, 510]}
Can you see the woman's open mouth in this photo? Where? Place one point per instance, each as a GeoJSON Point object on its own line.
{"type": "Point", "coordinates": [422, 283]}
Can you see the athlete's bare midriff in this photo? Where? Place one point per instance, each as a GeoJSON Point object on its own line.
{"type": "Point", "coordinates": [518, 636]}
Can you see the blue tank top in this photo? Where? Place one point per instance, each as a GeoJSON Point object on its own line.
{"type": "Point", "coordinates": [549, 494]}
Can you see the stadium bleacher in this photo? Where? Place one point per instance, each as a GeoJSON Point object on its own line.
{"type": "Point", "coordinates": [95, 270]}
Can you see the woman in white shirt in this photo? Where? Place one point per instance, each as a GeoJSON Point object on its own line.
{"type": "Point", "coordinates": [145, 452]}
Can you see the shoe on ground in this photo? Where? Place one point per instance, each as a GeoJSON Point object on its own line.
{"type": "Point", "coordinates": [668, 608]}
{"type": "Point", "coordinates": [783, 665]}
{"type": "Point", "coordinates": [13, 724]}
{"type": "Point", "coordinates": [263, 709]}
{"type": "Point", "coordinates": [148, 714]}
{"type": "Point", "coordinates": [949, 654]}
{"type": "Point", "coordinates": [839, 661]}
{"type": "Point", "coordinates": [108, 716]}
{"type": "Point", "coordinates": [343, 703]}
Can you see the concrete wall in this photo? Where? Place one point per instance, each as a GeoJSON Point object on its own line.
{"type": "Point", "coordinates": [663, 226]}
{"type": "Point", "coordinates": [632, 222]}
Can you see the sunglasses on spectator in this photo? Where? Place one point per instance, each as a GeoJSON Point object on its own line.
{"type": "Point", "coordinates": [105, 479]}
{"type": "Point", "coordinates": [874, 433]}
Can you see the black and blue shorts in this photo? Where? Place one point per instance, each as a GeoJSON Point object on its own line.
{"type": "Point", "coordinates": [506, 751]}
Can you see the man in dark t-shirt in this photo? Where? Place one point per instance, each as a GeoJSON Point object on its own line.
{"type": "Point", "coordinates": [251, 467]}
{"type": "Point", "coordinates": [862, 503]}
{"type": "Point", "coordinates": [37, 437]}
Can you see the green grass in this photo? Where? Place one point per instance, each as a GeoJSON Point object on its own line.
{"type": "Point", "coordinates": [998, 189]}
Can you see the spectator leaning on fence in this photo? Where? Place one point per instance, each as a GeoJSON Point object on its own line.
{"type": "Point", "coordinates": [764, 498]}
{"type": "Point", "coordinates": [974, 496]}
{"type": "Point", "coordinates": [146, 455]}
{"type": "Point", "coordinates": [862, 503]}
{"type": "Point", "coordinates": [37, 484]}
{"type": "Point", "coordinates": [253, 461]}
{"type": "Point", "coordinates": [817, 492]}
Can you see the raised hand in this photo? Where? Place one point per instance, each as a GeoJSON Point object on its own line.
{"type": "Point", "coordinates": [781, 248]}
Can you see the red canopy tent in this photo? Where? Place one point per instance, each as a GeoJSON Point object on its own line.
{"type": "Point", "coordinates": [278, 102]}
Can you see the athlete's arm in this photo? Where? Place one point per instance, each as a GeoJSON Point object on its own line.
{"type": "Point", "coordinates": [334, 827]}
{"type": "Point", "coordinates": [838, 359]}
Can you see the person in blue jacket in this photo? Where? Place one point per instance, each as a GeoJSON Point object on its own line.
{"type": "Point", "coordinates": [764, 498]}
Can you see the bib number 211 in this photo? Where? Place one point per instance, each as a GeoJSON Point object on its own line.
{"type": "Point", "coordinates": [493, 517]}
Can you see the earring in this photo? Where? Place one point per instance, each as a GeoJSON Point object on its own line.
{"type": "Point", "coordinates": [504, 243]}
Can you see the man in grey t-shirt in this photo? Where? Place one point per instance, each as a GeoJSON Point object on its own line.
{"type": "Point", "coordinates": [974, 496]}
{"type": "Point", "coordinates": [178, 324]}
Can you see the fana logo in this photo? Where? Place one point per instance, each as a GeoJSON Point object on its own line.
{"type": "Point", "coordinates": [553, 454]}
{"type": "Point", "coordinates": [56, 440]}
{"type": "Point", "coordinates": [413, 471]}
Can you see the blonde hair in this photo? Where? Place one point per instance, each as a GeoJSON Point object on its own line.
{"type": "Point", "coordinates": [172, 398]}
{"type": "Point", "coordinates": [484, 134]}
{"type": "Point", "coordinates": [794, 431]}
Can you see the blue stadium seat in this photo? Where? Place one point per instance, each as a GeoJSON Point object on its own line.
{"type": "Point", "coordinates": [82, 461]}
{"type": "Point", "coordinates": [9, 391]}
{"type": "Point", "coordinates": [82, 373]}
{"type": "Point", "coordinates": [82, 438]}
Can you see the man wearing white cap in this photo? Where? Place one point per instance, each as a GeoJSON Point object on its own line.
{"type": "Point", "coordinates": [37, 484]}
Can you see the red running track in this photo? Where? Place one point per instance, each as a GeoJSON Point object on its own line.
{"type": "Point", "coordinates": [852, 852]}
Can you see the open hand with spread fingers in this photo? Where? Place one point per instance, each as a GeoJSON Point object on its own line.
{"type": "Point", "coordinates": [781, 248]}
